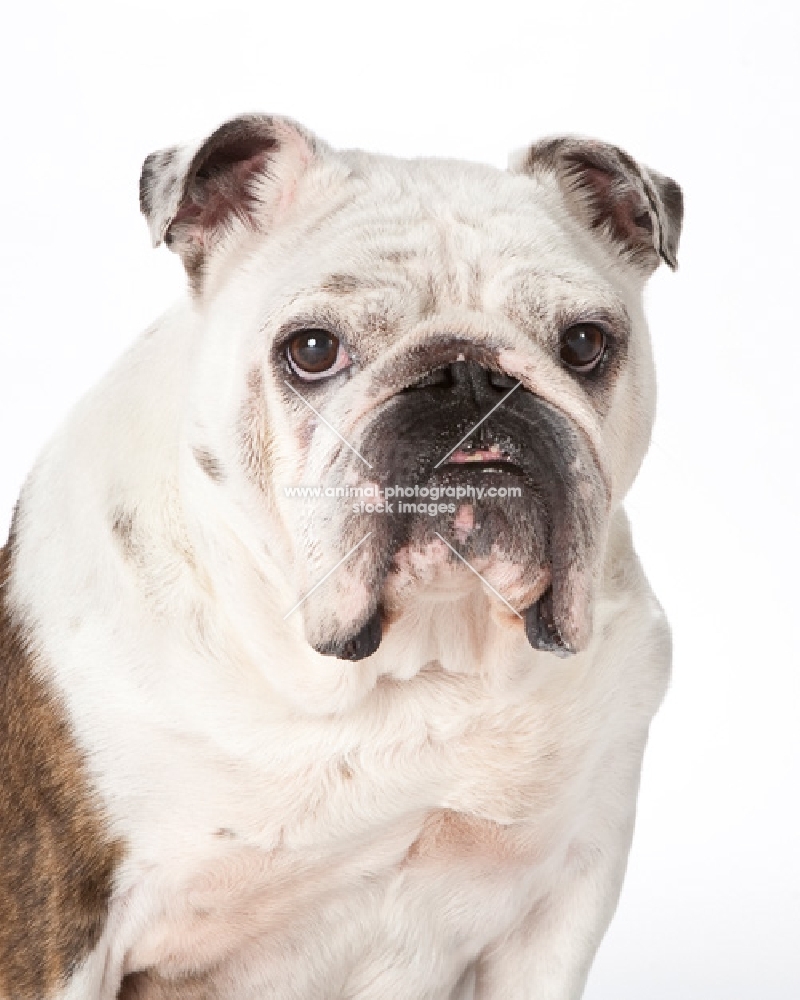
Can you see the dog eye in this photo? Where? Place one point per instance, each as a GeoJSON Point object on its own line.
{"type": "Point", "coordinates": [315, 354]}
{"type": "Point", "coordinates": [582, 347]}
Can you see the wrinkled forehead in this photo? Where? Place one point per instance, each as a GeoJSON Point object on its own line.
{"type": "Point", "coordinates": [407, 241]}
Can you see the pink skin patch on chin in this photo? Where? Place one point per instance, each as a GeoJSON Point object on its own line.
{"type": "Point", "coordinates": [464, 521]}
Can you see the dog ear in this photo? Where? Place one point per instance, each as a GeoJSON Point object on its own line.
{"type": "Point", "coordinates": [242, 174]}
{"type": "Point", "coordinates": [639, 210]}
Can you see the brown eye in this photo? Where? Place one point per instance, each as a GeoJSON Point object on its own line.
{"type": "Point", "coordinates": [313, 353]}
{"type": "Point", "coordinates": [582, 347]}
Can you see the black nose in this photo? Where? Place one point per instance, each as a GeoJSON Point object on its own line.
{"type": "Point", "coordinates": [467, 377]}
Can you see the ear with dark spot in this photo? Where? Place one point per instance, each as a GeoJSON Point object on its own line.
{"type": "Point", "coordinates": [241, 175]}
{"type": "Point", "coordinates": [637, 209]}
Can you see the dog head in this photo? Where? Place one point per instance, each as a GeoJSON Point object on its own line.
{"type": "Point", "coordinates": [397, 336]}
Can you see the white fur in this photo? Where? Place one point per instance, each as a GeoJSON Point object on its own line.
{"type": "Point", "coordinates": [269, 796]}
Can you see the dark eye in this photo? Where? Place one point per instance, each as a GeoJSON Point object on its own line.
{"type": "Point", "coordinates": [315, 354]}
{"type": "Point", "coordinates": [582, 347]}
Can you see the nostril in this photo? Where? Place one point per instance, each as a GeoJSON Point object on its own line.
{"type": "Point", "coordinates": [502, 381]}
{"type": "Point", "coordinates": [438, 377]}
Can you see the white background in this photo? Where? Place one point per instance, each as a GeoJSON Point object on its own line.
{"type": "Point", "coordinates": [705, 92]}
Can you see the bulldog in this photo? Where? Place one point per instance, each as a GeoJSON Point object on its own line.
{"type": "Point", "coordinates": [326, 661]}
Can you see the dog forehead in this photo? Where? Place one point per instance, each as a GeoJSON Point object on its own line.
{"type": "Point", "coordinates": [451, 233]}
{"type": "Point", "coordinates": [435, 207]}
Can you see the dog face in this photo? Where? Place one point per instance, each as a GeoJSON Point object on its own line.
{"type": "Point", "coordinates": [366, 323]}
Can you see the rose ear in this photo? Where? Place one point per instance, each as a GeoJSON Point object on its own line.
{"type": "Point", "coordinates": [242, 174]}
{"type": "Point", "coordinates": [637, 210]}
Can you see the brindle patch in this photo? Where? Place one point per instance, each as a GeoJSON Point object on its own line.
{"type": "Point", "coordinates": [150, 986]}
{"type": "Point", "coordinates": [57, 861]}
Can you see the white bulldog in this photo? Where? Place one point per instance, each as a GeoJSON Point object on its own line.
{"type": "Point", "coordinates": [326, 662]}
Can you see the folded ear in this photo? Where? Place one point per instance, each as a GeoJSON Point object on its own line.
{"type": "Point", "coordinates": [243, 174]}
{"type": "Point", "coordinates": [636, 209]}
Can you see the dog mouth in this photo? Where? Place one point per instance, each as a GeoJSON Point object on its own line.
{"type": "Point", "coordinates": [518, 500]}
{"type": "Point", "coordinates": [491, 458]}
{"type": "Point", "coordinates": [472, 533]}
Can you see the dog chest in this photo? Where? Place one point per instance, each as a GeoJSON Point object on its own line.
{"type": "Point", "coordinates": [416, 849]}
{"type": "Point", "coordinates": [387, 907]}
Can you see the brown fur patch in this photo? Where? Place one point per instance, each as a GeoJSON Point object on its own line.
{"type": "Point", "coordinates": [149, 986]}
{"type": "Point", "coordinates": [56, 859]}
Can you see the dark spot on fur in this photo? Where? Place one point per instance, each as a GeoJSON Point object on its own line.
{"type": "Point", "coordinates": [429, 298]}
{"type": "Point", "coordinates": [194, 260]}
{"type": "Point", "coordinates": [209, 464]}
{"type": "Point", "coordinates": [453, 287]}
{"type": "Point", "coordinates": [399, 256]}
{"type": "Point", "coordinates": [152, 169]}
{"type": "Point", "coordinates": [225, 833]}
{"type": "Point", "coordinates": [122, 522]}
{"type": "Point", "coordinates": [255, 439]}
{"type": "Point", "coordinates": [342, 284]}
{"type": "Point", "coordinates": [474, 289]}
{"type": "Point", "coordinates": [377, 319]}
{"type": "Point", "coordinates": [57, 861]}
